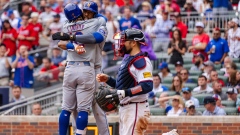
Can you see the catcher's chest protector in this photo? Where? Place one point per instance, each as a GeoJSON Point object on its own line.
{"type": "Point", "coordinates": [124, 78]}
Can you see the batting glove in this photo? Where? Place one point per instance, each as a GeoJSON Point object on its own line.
{"type": "Point", "coordinates": [63, 36]}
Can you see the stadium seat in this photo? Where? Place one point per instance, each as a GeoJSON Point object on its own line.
{"type": "Point", "coordinates": [238, 65]}
{"type": "Point", "coordinates": [230, 110]}
{"type": "Point", "coordinates": [150, 102]}
{"type": "Point", "coordinates": [200, 109]}
{"type": "Point", "coordinates": [157, 111]}
{"type": "Point", "coordinates": [171, 93]}
{"type": "Point", "coordinates": [171, 67]}
{"type": "Point", "coordinates": [156, 71]}
{"type": "Point", "coordinates": [218, 67]}
{"type": "Point", "coordinates": [190, 85]}
{"type": "Point", "coordinates": [235, 60]}
{"type": "Point", "coordinates": [194, 73]}
{"type": "Point", "coordinates": [220, 73]}
{"type": "Point", "coordinates": [238, 95]}
{"type": "Point", "coordinates": [194, 78]}
{"type": "Point", "coordinates": [201, 97]}
{"type": "Point", "coordinates": [224, 78]}
{"type": "Point", "coordinates": [168, 85]}
{"type": "Point", "coordinates": [167, 80]}
{"type": "Point", "coordinates": [158, 94]}
{"type": "Point", "coordinates": [187, 61]}
{"type": "Point", "coordinates": [228, 103]}
{"type": "Point", "coordinates": [187, 66]}
{"type": "Point", "coordinates": [224, 89]}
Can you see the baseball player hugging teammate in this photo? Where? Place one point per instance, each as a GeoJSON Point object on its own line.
{"type": "Point", "coordinates": [134, 81]}
{"type": "Point", "coordinates": [84, 59]}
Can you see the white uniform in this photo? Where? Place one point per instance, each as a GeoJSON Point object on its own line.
{"type": "Point", "coordinates": [234, 44]}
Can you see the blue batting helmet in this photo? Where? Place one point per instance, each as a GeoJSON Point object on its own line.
{"type": "Point", "coordinates": [91, 6]}
{"type": "Point", "coordinates": [72, 11]}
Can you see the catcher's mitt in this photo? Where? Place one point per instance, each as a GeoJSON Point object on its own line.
{"type": "Point", "coordinates": [107, 104]}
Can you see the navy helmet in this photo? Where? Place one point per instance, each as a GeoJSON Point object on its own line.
{"type": "Point", "coordinates": [72, 11]}
{"type": "Point", "coordinates": [91, 6]}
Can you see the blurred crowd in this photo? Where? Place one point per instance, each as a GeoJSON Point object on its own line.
{"type": "Point", "coordinates": [165, 31]}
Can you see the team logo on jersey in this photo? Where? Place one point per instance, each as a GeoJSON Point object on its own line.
{"type": "Point", "coordinates": [147, 74]}
{"type": "Point", "coordinates": [102, 32]}
{"type": "Point", "coordinates": [73, 15]}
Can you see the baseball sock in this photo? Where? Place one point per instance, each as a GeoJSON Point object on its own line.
{"type": "Point", "coordinates": [64, 122]}
{"type": "Point", "coordinates": [82, 121]}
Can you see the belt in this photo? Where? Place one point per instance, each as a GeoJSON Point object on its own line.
{"type": "Point", "coordinates": [4, 77]}
{"type": "Point", "coordinates": [132, 103]}
{"type": "Point", "coordinates": [81, 63]}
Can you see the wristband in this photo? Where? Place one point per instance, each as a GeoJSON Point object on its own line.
{"type": "Point", "coordinates": [72, 37]}
{"type": "Point", "coordinates": [70, 46]}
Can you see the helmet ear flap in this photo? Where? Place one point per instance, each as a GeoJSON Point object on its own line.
{"type": "Point", "coordinates": [72, 11]}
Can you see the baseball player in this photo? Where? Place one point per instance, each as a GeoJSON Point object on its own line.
{"type": "Point", "coordinates": [99, 114]}
{"type": "Point", "coordinates": [133, 84]}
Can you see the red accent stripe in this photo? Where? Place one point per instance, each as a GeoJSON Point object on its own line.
{"type": "Point", "coordinates": [135, 119]}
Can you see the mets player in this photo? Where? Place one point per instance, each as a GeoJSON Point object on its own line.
{"type": "Point", "coordinates": [99, 114]}
{"type": "Point", "coordinates": [134, 81]}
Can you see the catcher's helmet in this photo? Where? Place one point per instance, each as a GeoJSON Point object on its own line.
{"type": "Point", "coordinates": [126, 35]}
{"type": "Point", "coordinates": [91, 6]}
{"type": "Point", "coordinates": [72, 11]}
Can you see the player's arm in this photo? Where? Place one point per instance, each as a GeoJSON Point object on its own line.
{"type": "Point", "coordinates": [107, 79]}
{"type": "Point", "coordinates": [143, 72]}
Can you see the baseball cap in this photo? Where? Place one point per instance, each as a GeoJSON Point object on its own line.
{"type": "Point", "coordinates": [189, 103]}
{"type": "Point", "coordinates": [208, 100]}
{"type": "Point", "coordinates": [208, 63]}
{"type": "Point", "coordinates": [199, 24]}
{"type": "Point", "coordinates": [34, 14]}
{"type": "Point", "coordinates": [152, 16]}
{"type": "Point", "coordinates": [163, 65]}
{"type": "Point", "coordinates": [216, 97]}
{"type": "Point", "coordinates": [178, 63]}
{"type": "Point", "coordinates": [232, 91]}
{"type": "Point", "coordinates": [177, 14]}
{"type": "Point", "coordinates": [188, 1]}
{"type": "Point", "coordinates": [9, 12]}
{"type": "Point", "coordinates": [235, 20]}
{"type": "Point", "coordinates": [200, 55]}
{"type": "Point", "coordinates": [186, 89]}
{"type": "Point", "coordinates": [56, 16]}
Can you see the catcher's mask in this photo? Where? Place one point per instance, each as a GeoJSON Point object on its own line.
{"type": "Point", "coordinates": [127, 35]}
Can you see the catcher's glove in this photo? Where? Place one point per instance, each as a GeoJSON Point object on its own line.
{"type": "Point", "coordinates": [107, 103]}
{"type": "Point", "coordinates": [62, 36]}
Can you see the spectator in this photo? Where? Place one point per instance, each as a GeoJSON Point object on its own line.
{"type": "Point", "coordinates": [60, 6]}
{"type": "Point", "coordinates": [128, 21]}
{"type": "Point", "coordinates": [14, 21]}
{"type": "Point", "coordinates": [217, 89]}
{"type": "Point", "coordinates": [47, 16]}
{"type": "Point", "coordinates": [164, 70]}
{"type": "Point", "coordinates": [150, 25]}
{"type": "Point", "coordinates": [205, 5]}
{"type": "Point", "coordinates": [232, 94]}
{"type": "Point", "coordinates": [37, 64]}
{"type": "Point", "coordinates": [177, 106]}
{"type": "Point", "coordinates": [189, 8]}
{"type": "Point", "coordinates": [26, 9]}
{"type": "Point", "coordinates": [227, 60]}
{"type": "Point", "coordinates": [49, 72]}
{"type": "Point", "coordinates": [177, 47]}
{"type": "Point", "coordinates": [37, 29]}
{"type": "Point", "coordinates": [199, 41]}
{"type": "Point", "coordinates": [42, 6]}
{"type": "Point", "coordinates": [127, 5]}
{"type": "Point", "coordinates": [184, 73]}
{"type": "Point", "coordinates": [36, 109]}
{"type": "Point", "coordinates": [177, 84]}
{"type": "Point", "coordinates": [23, 64]}
{"type": "Point", "coordinates": [32, 7]}
{"type": "Point", "coordinates": [17, 94]}
{"type": "Point", "coordinates": [111, 6]}
{"type": "Point", "coordinates": [217, 48]}
{"type": "Point", "coordinates": [180, 25]}
{"type": "Point", "coordinates": [161, 30]}
{"type": "Point", "coordinates": [164, 101]}
{"type": "Point", "coordinates": [198, 65]}
{"type": "Point", "coordinates": [234, 39]}
{"type": "Point", "coordinates": [157, 87]}
{"type": "Point", "coordinates": [191, 111]}
{"type": "Point", "coordinates": [238, 80]}
{"type": "Point", "coordinates": [202, 85]}
{"type": "Point", "coordinates": [198, 5]}
{"type": "Point", "coordinates": [214, 77]}
{"type": "Point", "coordinates": [211, 108]}
{"type": "Point", "coordinates": [26, 34]}
{"type": "Point", "coordinates": [187, 95]}
{"type": "Point", "coordinates": [230, 68]}
{"type": "Point", "coordinates": [232, 80]}
{"type": "Point", "coordinates": [53, 4]}
{"type": "Point", "coordinates": [178, 68]}
{"type": "Point", "coordinates": [145, 10]}
{"type": "Point", "coordinates": [57, 56]}
{"type": "Point", "coordinates": [55, 26]}
{"type": "Point", "coordinates": [220, 7]}
{"type": "Point", "coordinates": [4, 66]}
{"type": "Point", "coordinates": [208, 67]}
{"type": "Point", "coordinates": [4, 15]}
{"type": "Point", "coordinates": [8, 37]}
{"type": "Point", "coordinates": [218, 100]}
{"type": "Point", "coordinates": [170, 6]}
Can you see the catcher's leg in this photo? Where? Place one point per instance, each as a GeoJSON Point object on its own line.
{"type": "Point", "coordinates": [84, 92]}
{"type": "Point", "coordinates": [69, 100]}
{"type": "Point", "coordinates": [99, 114]}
